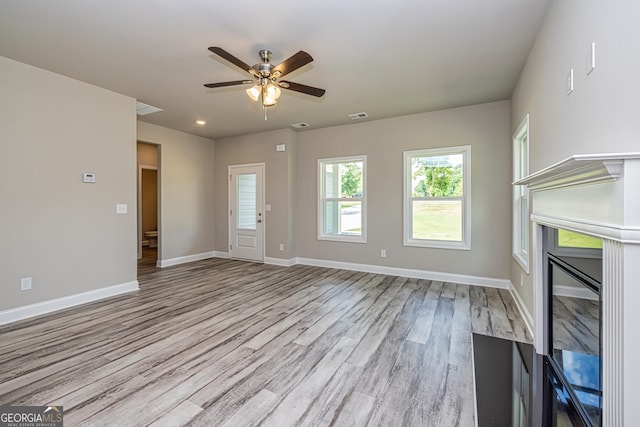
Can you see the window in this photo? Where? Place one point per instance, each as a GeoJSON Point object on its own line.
{"type": "Point", "coordinates": [342, 199]}
{"type": "Point", "coordinates": [573, 244]}
{"type": "Point", "coordinates": [437, 208]}
{"type": "Point", "coordinates": [569, 239]}
{"type": "Point", "coordinates": [246, 201]}
{"type": "Point", "coordinates": [520, 230]}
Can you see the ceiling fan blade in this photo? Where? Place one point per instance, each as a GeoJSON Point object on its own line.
{"type": "Point", "coordinates": [229, 57]}
{"type": "Point", "coordinates": [232, 83]}
{"type": "Point", "coordinates": [298, 87]}
{"type": "Point", "coordinates": [298, 60]}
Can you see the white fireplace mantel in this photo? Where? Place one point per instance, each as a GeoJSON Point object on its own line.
{"type": "Point", "coordinates": [580, 169]}
{"type": "Point", "coordinates": [598, 195]}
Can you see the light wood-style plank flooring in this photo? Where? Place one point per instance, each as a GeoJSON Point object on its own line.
{"type": "Point", "coordinates": [228, 343]}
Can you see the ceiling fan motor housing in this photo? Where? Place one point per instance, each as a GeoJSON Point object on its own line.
{"type": "Point", "coordinates": [264, 69]}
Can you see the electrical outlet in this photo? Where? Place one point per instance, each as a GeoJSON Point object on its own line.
{"type": "Point", "coordinates": [383, 253]}
{"type": "Point", "coordinates": [281, 247]}
{"type": "Point", "coordinates": [121, 208]}
{"type": "Point", "coordinates": [25, 284]}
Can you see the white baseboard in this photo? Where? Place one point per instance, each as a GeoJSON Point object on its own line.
{"type": "Point", "coordinates": [45, 307]}
{"type": "Point", "coordinates": [220, 254]}
{"type": "Point", "coordinates": [524, 311]}
{"type": "Point", "coordinates": [185, 259]}
{"type": "Point", "coordinates": [407, 272]}
{"type": "Point", "coordinates": [283, 262]}
{"type": "Point", "coordinates": [574, 292]}
{"type": "Point", "coordinates": [392, 271]}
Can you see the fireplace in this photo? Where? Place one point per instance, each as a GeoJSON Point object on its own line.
{"type": "Point", "coordinates": [573, 280]}
{"type": "Point", "coordinates": [596, 196]}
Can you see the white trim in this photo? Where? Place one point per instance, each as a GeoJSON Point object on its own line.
{"type": "Point", "coordinates": [407, 272]}
{"type": "Point", "coordinates": [522, 307]}
{"type": "Point", "coordinates": [629, 235]}
{"type": "Point", "coordinates": [282, 262]}
{"type": "Point", "coordinates": [184, 259]}
{"type": "Point", "coordinates": [578, 170]}
{"type": "Point", "coordinates": [45, 307]}
{"type": "Point", "coordinates": [221, 254]}
{"type": "Point", "coordinates": [391, 271]}
{"type": "Point", "coordinates": [574, 292]}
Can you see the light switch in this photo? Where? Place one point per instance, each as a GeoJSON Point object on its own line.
{"type": "Point", "coordinates": [281, 147]}
{"type": "Point", "coordinates": [267, 208]}
{"type": "Point", "coordinates": [121, 208]}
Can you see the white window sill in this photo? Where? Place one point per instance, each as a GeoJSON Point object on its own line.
{"type": "Point", "coordinates": [343, 238]}
{"type": "Point", "coordinates": [522, 260]}
{"type": "Point", "coordinates": [438, 244]}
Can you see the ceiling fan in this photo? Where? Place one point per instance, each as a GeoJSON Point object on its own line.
{"type": "Point", "coordinates": [266, 83]}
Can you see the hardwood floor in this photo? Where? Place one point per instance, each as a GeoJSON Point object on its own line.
{"type": "Point", "coordinates": [147, 263]}
{"type": "Point", "coordinates": [222, 342]}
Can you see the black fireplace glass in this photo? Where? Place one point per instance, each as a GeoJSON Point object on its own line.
{"type": "Point", "coordinates": [575, 330]}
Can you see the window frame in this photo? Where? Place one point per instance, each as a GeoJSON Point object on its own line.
{"type": "Point", "coordinates": [520, 193]}
{"type": "Point", "coordinates": [321, 220]}
{"type": "Point", "coordinates": [408, 240]}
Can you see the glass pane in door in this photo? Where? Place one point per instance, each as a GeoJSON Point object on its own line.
{"type": "Point", "coordinates": [246, 201]}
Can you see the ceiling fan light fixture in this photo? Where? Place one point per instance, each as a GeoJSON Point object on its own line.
{"type": "Point", "coordinates": [273, 91]}
{"type": "Point", "coordinates": [254, 92]}
{"type": "Point", "coordinates": [269, 101]}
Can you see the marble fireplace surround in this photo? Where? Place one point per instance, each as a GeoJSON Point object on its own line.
{"type": "Point", "coordinates": [598, 195]}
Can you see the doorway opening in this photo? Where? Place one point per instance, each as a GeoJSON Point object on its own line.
{"type": "Point", "coordinates": [148, 232]}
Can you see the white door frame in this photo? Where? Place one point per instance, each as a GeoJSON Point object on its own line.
{"type": "Point", "coordinates": [260, 208]}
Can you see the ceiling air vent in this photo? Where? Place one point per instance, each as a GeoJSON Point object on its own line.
{"type": "Point", "coordinates": [143, 109]}
{"type": "Point", "coordinates": [358, 116]}
{"type": "Point", "coordinates": [300, 125]}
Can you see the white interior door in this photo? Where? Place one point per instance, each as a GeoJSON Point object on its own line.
{"type": "Point", "coordinates": [246, 213]}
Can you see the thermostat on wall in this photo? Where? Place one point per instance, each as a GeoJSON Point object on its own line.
{"type": "Point", "coordinates": [89, 177]}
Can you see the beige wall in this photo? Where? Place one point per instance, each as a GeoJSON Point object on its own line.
{"type": "Point", "coordinates": [601, 114]}
{"type": "Point", "coordinates": [485, 127]}
{"type": "Point", "coordinates": [64, 234]}
{"type": "Point", "coordinates": [279, 185]}
{"type": "Point", "coordinates": [186, 191]}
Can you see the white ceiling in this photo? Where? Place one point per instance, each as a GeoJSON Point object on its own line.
{"type": "Point", "coordinates": [385, 57]}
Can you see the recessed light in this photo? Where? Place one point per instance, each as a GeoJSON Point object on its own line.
{"type": "Point", "coordinates": [201, 122]}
